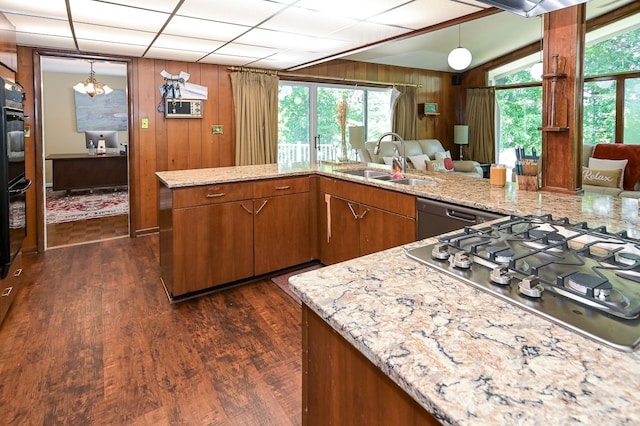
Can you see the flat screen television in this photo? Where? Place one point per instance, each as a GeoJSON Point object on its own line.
{"type": "Point", "coordinates": [110, 138]}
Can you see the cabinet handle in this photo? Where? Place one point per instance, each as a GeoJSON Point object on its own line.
{"type": "Point", "coordinates": [246, 209]}
{"type": "Point", "coordinates": [355, 216]}
{"type": "Point", "coordinates": [264, 203]}
{"type": "Point", "coordinates": [221, 194]}
{"type": "Point", "coordinates": [280, 188]}
{"type": "Point", "coordinates": [6, 291]}
{"type": "Point", "coordinates": [363, 214]}
{"type": "Point", "coordinates": [18, 272]}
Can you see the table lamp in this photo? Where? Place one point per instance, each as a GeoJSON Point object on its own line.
{"type": "Point", "coordinates": [356, 137]}
{"type": "Point", "coordinates": [461, 136]}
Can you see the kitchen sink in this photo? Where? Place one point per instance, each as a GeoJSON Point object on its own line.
{"type": "Point", "coordinates": [374, 174]}
{"type": "Point", "coordinates": [412, 181]}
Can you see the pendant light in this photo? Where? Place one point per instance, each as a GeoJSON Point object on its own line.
{"type": "Point", "coordinates": [460, 57]}
{"type": "Point", "coordinates": [91, 86]}
{"type": "Point", "coordinates": [538, 68]}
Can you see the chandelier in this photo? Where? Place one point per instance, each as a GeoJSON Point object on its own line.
{"type": "Point", "coordinates": [91, 86]}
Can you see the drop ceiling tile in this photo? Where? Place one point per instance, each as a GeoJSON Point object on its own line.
{"type": "Point", "coordinates": [358, 9]}
{"type": "Point", "coordinates": [187, 43]}
{"type": "Point", "coordinates": [202, 28]}
{"type": "Point", "coordinates": [274, 39]}
{"type": "Point", "coordinates": [100, 13]}
{"type": "Point", "coordinates": [424, 13]}
{"type": "Point", "coordinates": [42, 8]}
{"type": "Point", "coordinates": [112, 35]}
{"type": "Point", "coordinates": [45, 40]}
{"type": "Point", "coordinates": [365, 32]}
{"type": "Point", "coordinates": [166, 6]}
{"type": "Point", "coordinates": [173, 54]}
{"type": "Point", "coordinates": [243, 12]}
{"type": "Point", "coordinates": [246, 50]}
{"type": "Point", "coordinates": [39, 26]}
{"type": "Point", "coordinates": [227, 60]}
{"type": "Point", "coordinates": [307, 22]}
{"type": "Point", "coordinates": [111, 48]}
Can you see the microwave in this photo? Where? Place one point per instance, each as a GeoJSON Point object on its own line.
{"type": "Point", "coordinates": [183, 108]}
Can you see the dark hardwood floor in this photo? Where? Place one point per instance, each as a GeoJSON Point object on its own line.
{"type": "Point", "coordinates": [91, 339]}
{"type": "Point", "coordinates": [83, 231]}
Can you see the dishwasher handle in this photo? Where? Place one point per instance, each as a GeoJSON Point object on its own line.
{"type": "Point", "coordinates": [456, 214]}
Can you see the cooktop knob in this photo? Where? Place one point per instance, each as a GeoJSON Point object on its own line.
{"type": "Point", "coordinates": [530, 286]}
{"type": "Point", "coordinates": [500, 275]}
{"type": "Point", "coordinates": [440, 252]}
{"type": "Point", "coordinates": [461, 260]}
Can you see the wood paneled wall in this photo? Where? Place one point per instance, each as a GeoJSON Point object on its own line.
{"type": "Point", "coordinates": [177, 144]}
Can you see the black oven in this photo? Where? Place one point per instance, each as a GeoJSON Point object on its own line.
{"type": "Point", "coordinates": [13, 184]}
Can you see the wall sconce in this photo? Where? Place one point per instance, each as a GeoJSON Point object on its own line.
{"type": "Point", "coordinates": [461, 136]}
{"type": "Point", "coordinates": [356, 138]}
{"type": "Point", "coordinates": [460, 57]}
{"type": "Point", "coordinates": [91, 86]}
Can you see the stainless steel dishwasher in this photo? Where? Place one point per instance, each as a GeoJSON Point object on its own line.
{"type": "Point", "coordinates": [436, 217]}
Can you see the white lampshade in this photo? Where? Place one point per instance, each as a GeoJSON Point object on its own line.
{"type": "Point", "coordinates": [536, 70]}
{"type": "Point", "coordinates": [356, 137]}
{"type": "Point", "coordinates": [459, 58]}
{"type": "Point", "coordinates": [461, 135]}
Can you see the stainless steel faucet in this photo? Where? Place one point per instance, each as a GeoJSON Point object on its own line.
{"type": "Point", "coordinates": [403, 158]}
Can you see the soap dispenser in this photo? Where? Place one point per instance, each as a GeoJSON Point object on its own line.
{"type": "Point", "coordinates": [92, 148]}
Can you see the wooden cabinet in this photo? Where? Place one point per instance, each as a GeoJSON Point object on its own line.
{"type": "Point", "coordinates": [340, 386]}
{"type": "Point", "coordinates": [356, 220]}
{"type": "Point", "coordinates": [219, 234]}
{"type": "Point", "coordinates": [10, 286]}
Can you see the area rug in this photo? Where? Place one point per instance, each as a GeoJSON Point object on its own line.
{"type": "Point", "coordinates": [85, 205]}
{"type": "Point", "coordinates": [282, 281]}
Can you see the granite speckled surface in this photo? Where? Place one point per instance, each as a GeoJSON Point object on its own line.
{"type": "Point", "coordinates": [466, 356]}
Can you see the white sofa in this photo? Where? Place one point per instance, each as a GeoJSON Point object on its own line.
{"type": "Point", "coordinates": [417, 149]}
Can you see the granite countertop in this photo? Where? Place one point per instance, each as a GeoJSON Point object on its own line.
{"type": "Point", "coordinates": [466, 356]}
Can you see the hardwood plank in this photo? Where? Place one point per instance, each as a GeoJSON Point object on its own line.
{"type": "Point", "coordinates": [92, 339]}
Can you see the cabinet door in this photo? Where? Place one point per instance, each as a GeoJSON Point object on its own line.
{"type": "Point", "coordinates": [10, 285]}
{"type": "Point", "coordinates": [339, 235]}
{"type": "Point", "coordinates": [281, 232]}
{"type": "Point", "coordinates": [212, 245]}
{"type": "Point", "coordinates": [380, 230]}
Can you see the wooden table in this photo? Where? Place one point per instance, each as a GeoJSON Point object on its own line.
{"type": "Point", "coordinates": [84, 171]}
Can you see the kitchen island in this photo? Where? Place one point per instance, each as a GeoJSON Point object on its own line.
{"type": "Point", "coordinates": [462, 355]}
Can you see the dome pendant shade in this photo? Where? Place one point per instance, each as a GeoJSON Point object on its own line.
{"type": "Point", "coordinates": [536, 70]}
{"type": "Point", "coordinates": [459, 58]}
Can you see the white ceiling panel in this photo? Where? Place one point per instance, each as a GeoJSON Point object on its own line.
{"type": "Point", "coordinates": [255, 52]}
{"type": "Point", "coordinates": [44, 40]}
{"type": "Point", "coordinates": [174, 54]}
{"type": "Point", "coordinates": [166, 6]}
{"type": "Point", "coordinates": [112, 35]}
{"type": "Point", "coordinates": [186, 43]}
{"type": "Point", "coordinates": [357, 9]}
{"type": "Point", "coordinates": [227, 60]}
{"type": "Point", "coordinates": [40, 26]}
{"type": "Point", "coordinates": [424, 13]}
{"type": "Point", "coordinates": [106, 47]}
{"type": "Point", "coordinates": [243, 12]}
{"type": "Point", "coordinates": [275, 39]}
{"type": "Point", "coordinates": [41, 8]}
{"type": "Point", "coordinates": [112, 15]}
{"type": "Point", "coordinates": [201, 28]}
{"type": "Point", "coordinates": [367, 32]}
{"type": "Point", "coordinates": [307, 22]}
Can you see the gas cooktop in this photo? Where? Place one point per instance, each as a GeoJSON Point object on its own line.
{"type": "Point", "coordinates": [585, 279]}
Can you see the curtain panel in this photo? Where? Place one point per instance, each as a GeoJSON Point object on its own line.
{"type": "Point", "coordinates": [481, 112]}
{"type": "Point", "coordinates": [255, 104]}
{"type": "Point", "coordinates": [405, 112]}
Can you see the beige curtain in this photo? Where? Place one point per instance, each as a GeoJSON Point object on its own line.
{"type": "Point", "coordinates": [481, 111]}
{"type": "Point", "coordinates": [405, 112]}
{"type": "Point", "coordinates": [255, 103]}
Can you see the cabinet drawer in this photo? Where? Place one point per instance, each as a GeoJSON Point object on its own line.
{"type": "Point", "coordinates": [274, 187]}
{"type": "Point", "coordinates": [211, 194]}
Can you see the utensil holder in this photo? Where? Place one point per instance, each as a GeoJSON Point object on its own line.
{"type": "Point", "coordinates": [527, 183]}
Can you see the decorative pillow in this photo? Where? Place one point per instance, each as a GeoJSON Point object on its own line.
{"type": "Point", "coordinates": [466, 166]}
{"type": "Point", "coordinates": [418, 161]}
{"type": "Point", "coordinates": [442, 155]}
{"type": "Point", "coordinates": [435, 166]}
{"type": "Point", "coordinates": [600, 164]}
{"type": "Point", "coordinates": [607, 178]}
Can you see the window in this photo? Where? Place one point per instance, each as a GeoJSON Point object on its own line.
{"type": "Point", "coordinates": [632, 111]}
{"type": "Point", "coordinates": [308, 112]}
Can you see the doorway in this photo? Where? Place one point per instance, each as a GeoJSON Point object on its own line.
{"type": "Point", "coordinates": [86, 194]}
